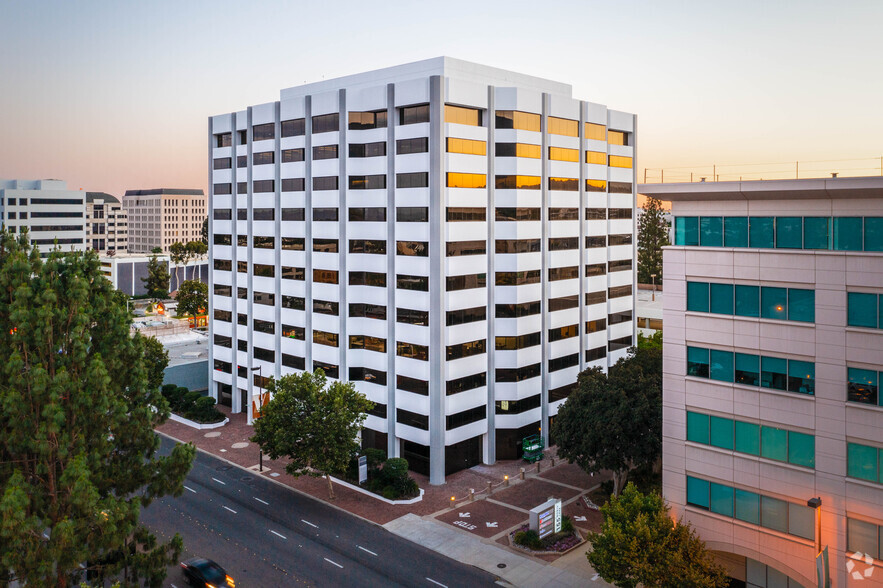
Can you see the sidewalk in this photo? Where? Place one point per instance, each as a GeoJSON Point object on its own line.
{"type": "Point", "coordinates": [474, 530]}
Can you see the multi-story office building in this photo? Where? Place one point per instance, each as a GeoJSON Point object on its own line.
{"type": "Point", "coordinates": [456, 240]}
{"type": "Point", "coordinates": [52, 214]}
{"type": "Point", "coordinates": [773, 354]}
{"type": "Point", "coordinates": [106, 223]}
{"type": "Point", "coordinates": [160, 217]}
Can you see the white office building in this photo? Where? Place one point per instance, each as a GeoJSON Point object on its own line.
{"type": "Point", "coordinates": [106, 224]}
{"type": "Point", "coordinates": [52, 214]}
{"type": "Point", "coordinates": [773, 356]}
{"type": "Point", "coordinates": [457, 240]}
{"type": "Point", "coordinates": [161, 217]}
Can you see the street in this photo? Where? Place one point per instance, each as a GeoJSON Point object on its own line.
{"type": "Point", "coordinates": [267, 535]}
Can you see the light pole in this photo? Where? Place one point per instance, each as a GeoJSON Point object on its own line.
{"type": "Point", "coordinates": [653, 296]}
{"type": "Point", "coordinates": [251, 412]}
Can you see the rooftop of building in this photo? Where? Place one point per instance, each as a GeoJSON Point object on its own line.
{"type": "Point", "coordinates": [45, 184]}
{"type": "Point", "coordinates": [183, 349]}
{"type": "Point", "coordinates": [92, 196]}
{"type": "Point", "coordinates": [801, 189]}
{"type": "Point", "coordinates": [164, 191]}
{"type": "Point", "coordinates": [443, 66]}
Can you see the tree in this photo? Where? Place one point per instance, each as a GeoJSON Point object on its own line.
{"type": "Point", "coordinates": [204, 234]}
{"type": "Point", "coordinates": [192, 298]}
{"type": "Point", "coordinates": [178, 254]}
{"type": "Point", "coordinates": [614, 421]}
{"type": "Point", "coordinates": [157, 280]}
{"type": "Point", "coordinates": [639, 543]}
{"type": "Point", "coordinates": [313, 425]}
{"type": "Point", "coordinates": [77, 460]}
{"type": "Point", "coordinates": [156, 359]}
{"type": "Point", "coordinates": [652, 237]}
{"type": "Point", "coordinates": [156, 250]}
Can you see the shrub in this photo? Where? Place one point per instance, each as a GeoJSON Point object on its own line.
{"type": "Point", "coordinates": [395, 468]}
{"type": "Point", "coordinates": [566, 525]}
{"type": "Point", "coordinates": [189, 399]}
{"type": "Point", "coordinates": [407, 487]}
{"type": "Point", "coordinates": [204, 411]}
{"type": "Point", "coordinates": [529, 539]}
{"type": "Point", "coordinates": [376, 457]}
{"type": "Point", "coordinates": [389, 493]}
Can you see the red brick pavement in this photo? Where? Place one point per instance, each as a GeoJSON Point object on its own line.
{"type": "Point", "coordinates": [480, 513]}
{"type": "Point", "coordinates": [573, 475]}
{"type": "Point", "coordinates": [532, 493]}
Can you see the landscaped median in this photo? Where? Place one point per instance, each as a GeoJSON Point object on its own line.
{"type": "Point", "coordinates": [192, 408]}
{"type": "Point", "coordinates": [568, 538]}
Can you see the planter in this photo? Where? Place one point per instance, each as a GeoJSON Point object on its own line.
{"type": "Point", "coordinates": [195, 425]}
{"type": "Point", "coordinates": [545, 552]}
{"type": "Point", "coordinates": [377, 496]}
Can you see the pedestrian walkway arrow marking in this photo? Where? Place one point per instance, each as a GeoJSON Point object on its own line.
{"type": "Point", "coordinates": [580, 519]}
{"type": "Point", "coordinates": [464, 515]}
{"type": "Point", "coordinates": [494, 524]}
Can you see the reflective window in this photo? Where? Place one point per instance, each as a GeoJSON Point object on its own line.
{"type": "Point", "coordinates": [517, 278]}
{"type": "Point", "coordinates": [292, 155]}
{"type": "Point", "coordinates": [464, 180]}
{"type": "Point", "coordinates": [620, 161]}
{"type": "Point", "coordinates": [618, 137]}
{"type": "Point", "coordinates": [326, 307]}
{"type": "Point", "coordinates": [521, 374]}
{"type": "Point", "coordinates": [596, 132]}
{"type": "Point", "coordinates": [863, 310]}
{"type": "Point", "coordinates": [374, 214]}
{"type": "Point", "coordinates": [697, 362]}
{"type": "Point", "coordinates": [375, 279]}
{"type": "Point", "coordinates": [518, 182]}
{"type": "Point", "coordinates": [263, 132]}
{"type": "Point", "coordinates": [262, 158]}
{"type": "Point", "coordinates": [293, 185]}
{"type": "Point", "coordinates": [462, 214]}
{"type": "Point", "coordinates": [465, 383]}
{"type": "Point", "coordinates": [816, 233]}
{"type": "Point", "coordinates": [596, 157]}
{"type": "Point", "coordinates": [565, 184]}
{"type": "Point", "coordinates": [563, 126]}
{"type": "Point", "coordinates": [863, 462]}
{"type": "Point", "coordinates": [847, 233]}
{"type": "Point", "coordinates": [563, 154]}
{"type": "Point", "coordinates": [367, 120]}
{"type": "Point", "coordinates": [467, 315]}
{"type": "Point", "coordinates": [862, 386]}
{"type": "Point", "coordinates": [747, 369]}
{"type": "Point", "coordinates": [466, 282]}
{"type": "Point", "coordinates": [325, 183]}
{"type": "Point", "coordinates": [517, 310]}
{"type": "Point", "coordinates": [873, 233]}
{"type": "Point", "coordinates": [323, 276]}
{"type": "Point", "coordinates": [412, 214]}
{"type": "Point", "coordinates": [220, 189]}
{"type": "Point", "coordinates": [556, 214]}
{"type": "Point", "coordinates": [789, 232]}
{"type": "Point", "coordinates": [372, 311]}
{"type": "Point", "coordinates": [410, 115]}
{"type": "Point", "coordinates": [462, 350]}
{"type": "Point", "coordinates": [367, 343]}
{"type": "Point", "coordinates": [687, 231]}
{"type": "Point", "coordinates": [735, 231]}
{"type": "Point", "coordinates": [413, 385]}
{"type": "Point", "coordinates": [514, 119]}
{"type": "Point", "coordinates": [417, 145]}
{"type": "Point", "coordinates": [563, 243]}
{"type": "Point", "coordinates": [512, 343]}
{"type": "Point", "coordinates": [412, 350]}
{"type": "Point", "coordinates": [325, 245]}
{"type": "Point", "coordinates": [293, 128]}
{"type": "Point", "coordinates": [325, 152]}
{"type": "Point", "coordinates": [761, 232]}
{"type": "Point", "coordinates": [372, 182]}
{"type": "Point", "coordinates": [462, 115]}
{"type": "Point", "coordinates": [262, 186]}
{"type": "Point", "coordinates": [406, 282]}
{"type": "Point", "coordinates": [223, 140]}
{"type": "Point", "coordinates": [457, 248]}
{"type": "Point", "coordinates": [324, 214]}
{"type": "Point", "coordinates": [412, 180]}
{"type": "Point", "coordinates": [412, 248]}
{"type": "Point", "coordinates": [325, 338]}
{"type": "Point", "coordinates": [711, 231]}
{"type": "Point", "coordinates": [517, 214]}
{"type": "Point", "coordinates": [222, 163]}
{"type": "Point", "coordinates": [373, 246]}
{"type": "Point", "coordinates": [864, 537]}
{"type": "Point", "coordinates": [620, 188]}
{"type": "Point", "coordinates": [563, 273]}
{"type": "Point", "coordinates": [326, 123]}
{"type": "Point", "coordinates": [376, 149]}
{"type": "Point", "coordinates": [412, 317]}
{"type": "Point", "coordinates": [467, 146]}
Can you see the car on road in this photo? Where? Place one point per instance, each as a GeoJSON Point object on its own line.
{"type": "Point", "coordinates": [206, 573]}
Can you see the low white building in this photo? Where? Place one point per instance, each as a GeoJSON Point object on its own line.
{"type": "Point", "coordinates": [127, 270]}
{"type": "Point", "coordinates": [52, 214]}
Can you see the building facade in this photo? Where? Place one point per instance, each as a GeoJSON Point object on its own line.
{"type": "Point", "coordinates": [160, 217]}
{"type": "Point", "coordinates": [127, 271]}
{"type": "Point", "coordinates": [106, 223]}
{"type": "Point", "coordinates": [773, 354]}
{"type": "Point", "coordinates": [456, 240]}
{"type": "Point", "coordinates": [52, 214]}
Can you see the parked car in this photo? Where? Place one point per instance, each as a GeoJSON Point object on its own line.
{"type": "Point", "coordinates": [206, 574]}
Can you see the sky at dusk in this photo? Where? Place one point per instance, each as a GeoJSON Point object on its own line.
{"type": "Point", "coordinates": [111, 95]}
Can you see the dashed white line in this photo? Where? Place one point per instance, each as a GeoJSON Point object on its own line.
{"type": "Point", "coordinates": [436, 583]}
{"type": "Point", "coordinates": [230, 509]}
{"type": "Point", "coordinates": [367, 550]}
{"type": "Point", "coordinates": [310, 524]}
{"type": "Point", "coordinates": [278, 534]}
{"type": "Point", "coordinates": [333, 562]}
{"type": "Point", "coordinates": [219, 482]}
{"type": "Point", "coordinates": [190, 489]}
{"type": "Point", "coordinates": [261, 501]}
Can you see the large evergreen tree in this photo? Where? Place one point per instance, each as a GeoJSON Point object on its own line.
{"type": "Point", "coordinates": [613, 421]}
{"type": "Point", "coordinates": [652, 237]}
{"type": "Point", "coordinates": [77, 456]}
{"type": "Point", "coordinates": [157, 280]}
{"type": "Point", "coordinates": [639, 544]}
{"type": "Point", "coordinates": [312, 424]}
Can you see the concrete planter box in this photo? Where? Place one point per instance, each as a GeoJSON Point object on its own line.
{"type": "Point", "coordinates": [195, 425]}
{"type": "Point", "coordinates": [377, 496]}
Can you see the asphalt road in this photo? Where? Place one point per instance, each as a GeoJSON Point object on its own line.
{"type": "Point", "coordinates": [266, 535]}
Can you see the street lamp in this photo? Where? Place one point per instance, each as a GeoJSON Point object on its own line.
{"type": "Point", "coordinates": [251, 412]}
{"type": "Point", "coordinates": [653, 296]}
{"type": "Point", "coordinates": [816, 503]}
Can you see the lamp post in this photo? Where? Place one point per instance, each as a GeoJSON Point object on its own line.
{"type": "Point", "coordinates": [653, 296]}
{"type": "Point", "coordinates": [816, 503]}
{"type": "Point", "coordinates": [251, 412]}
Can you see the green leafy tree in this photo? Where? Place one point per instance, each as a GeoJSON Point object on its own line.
{"type": "Point", "coordinates": [652, 237]}
{"type": "Point", "coordinates": [654, 341]}
{"type": "Point", "coordinates": [312, 424]}
{"type": "Point", "coordinates": [614, 421]}
{"type": "Point", "coordinates": [77, 460]}
{"type": "Point", "coordinates": [156, 359]}
{"type": "Point", "coordinates": [204, 234]}
{"type": "Point", "coordinates": [177, 254]}
{"type": "Point", "coordinates": [640, 544]}
{"type": "Point", "coordinates": [157, 280]}
{"type": "Point", "coordinates": [156, 250]}
{"type": "Point", "coordinates": [192, 298]}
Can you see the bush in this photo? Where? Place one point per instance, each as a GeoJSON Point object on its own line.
{"type": "Point", "coordinates": [204, 411]}
{"type": "Point", "coordinates": [190, 397]}
{"type": "Point", "coordinates": [529, 539]}
{"type": "Point", "coordinates": [395, 468]}
{"type": "Point", "coordinates": [376, 457]}
{"type": "Point", "coordinates": [389, 493]}
{"type": "Point", "coordinates": [566, 525]}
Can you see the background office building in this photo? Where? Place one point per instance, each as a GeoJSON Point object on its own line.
{"type": "Point", "coordinates": [106, 223]}
{"type": "Point", "coordinates": [455, 239]}
{"type": "Point", "coordinates": [160, 217]}
{"type": "Point", "coordinates": [52, 214]}
{"type": "Point", "coordinates": [773, 355]}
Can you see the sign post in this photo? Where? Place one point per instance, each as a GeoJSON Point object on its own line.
{"type": "Point", "coordinates": [545, 519]}
{"type": "Point", "coordinates": [363, 469]}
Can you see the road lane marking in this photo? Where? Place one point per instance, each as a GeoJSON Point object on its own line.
{"type": "Point", "coordinates": [230, 509]}
{"type": "Point", "coordinates": [436, 583]}
{"type": "Point", "coordinates": [310, 524]}
{"type": "Point", "coordinates": [333, 562]}
{"type": "Point", "coordinates": [368, 550]}
{"type": "Point", "coordinates": [189, 488]}
{"type": "Point", "coordinates": [261, 501]}
{"type": "Point", "coordinates": [219, 482]}
{"type": "Point", "coordinates": [278, 534]}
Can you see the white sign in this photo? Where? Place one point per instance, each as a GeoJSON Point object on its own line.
{"type": "Point", "coordinates": [545, 519]}
{"type": "Point", "coordinates": [363, 469]}
{"type": "Point", "coordinates": [558, 517]}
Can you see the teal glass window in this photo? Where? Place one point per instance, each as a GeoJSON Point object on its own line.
{"type": "Point", "coordinates": [801, 376]}
{"type": "Point", "coordinates": [801, 449]}
{"type": "Point", "coordinates": [774, 514]}
{"type": "Point", "coordinates": [721, 499]}
{"type": "Point", "coordinates": [801, 305]}
{"type": "Point", "coordinates": [862, 462]}
{"type": "Point", "coordinates": [774, 373]}
{"type": "Point", "coordinates": [789, 232]}
{"type": "Point", "coordinates": [816, 231]}
{"type": "Point", "coordinates": [747, 301]}
{"type": "Point", "coordinates": [697, 427]}
{"type": "Point", "coordinates": [873, 233]}
{"type": "Point", "coordinates": [722, 365]}
{"type": "Point", "coordinates": [697, 362]}
{"type": "Point", "coordinates": [697, 296]}
{"type": "Point", "coordinates": [721, 298]}
{"type": "Point", "coordinates": [861, 536]}
{"type": "Point", "coordinates": [747, 369]}
{"type": "Point", "coordinates": [735, 231]}
{"type": "Point", "coordinates": [774, 303]}
{"type": "Point", "coordinates": [862, 386]}
{"type": "Point", "coordinates": [761, 232]}
{"type": "Point", "coordinates": [711, 231]}
{"type": "Point", "coordinates": [747, 438]}
{"type": "Point", "coordinates": [774, 443]}
{"type": "Point", "coordinates": [697, 492]}
{"type": "Point", "coordinates": [721, 432]}
{"type": "Point", "coordinates": [801, 520]}
{"type": "Point", "coordinates": [747, 506]}
{"type": "Point", "coordinates": [862, 310]}
{"type": "Point", "coordinates": [847, 233]}
{"type": "Point", "coordinates": [687, 230]}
